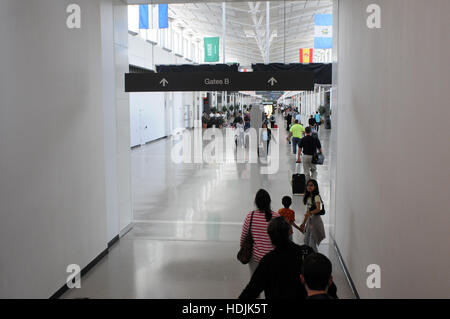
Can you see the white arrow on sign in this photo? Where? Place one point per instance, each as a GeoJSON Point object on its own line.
{"type": "Point", "coordinates": [272, 81]}
{"type": "Point", "coordinates": [164, 82]}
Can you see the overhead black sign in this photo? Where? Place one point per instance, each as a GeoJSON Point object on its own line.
{"type": "Point", "coordinates": [219, 81]}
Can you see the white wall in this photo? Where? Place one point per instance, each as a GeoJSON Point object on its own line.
{"type": "Point", "coordinates": [64, 140]}
{"type": "Point", "coordinates": [122, 106]}
{"type": "Point", "coordinates": [148, 118]}
{"type": "Point", "coordinates": [110, 118]}
{"type": "Point", "coordinates": [392, 175]}
{"type": "Point", "coordinates": [52, 165]}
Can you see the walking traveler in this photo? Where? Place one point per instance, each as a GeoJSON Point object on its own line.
{"type": "Point", "coordinates": [317, 118]}
{"type": "Point", "coordinates": [288, 214]}
{"type": "Point", "coordinates": [272, 121]}
{"type": "Point", "coordinates": [288, 120]}
{"type": "Point", "coordinates": [266, 136]}
{"type": "Point", "coordinates": [296, 131]}
{"type": "Point", "coordinates": [308, 145]}
{"type": "Point", "coordinates": [240, 133]}
{"type": "Point", "coordinates": [312, 121]}
{"type": "Point", "coordinates": [279, 272]}
{"type": "Point", "coordinates": [312, 225]}
{"type": "Point", "coordinates": [260, 220]}
{"type": "Point", "coordinates": [205, 119]}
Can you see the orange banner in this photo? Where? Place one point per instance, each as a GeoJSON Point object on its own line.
{"type": "Point", "coordinates": [306, 55]}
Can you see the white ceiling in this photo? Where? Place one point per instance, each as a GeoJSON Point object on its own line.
{"type": "Point", "coordinates": [291, 26]}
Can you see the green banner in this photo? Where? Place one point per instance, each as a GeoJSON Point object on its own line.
{"type": "Point", "coordinates": [212, 49]}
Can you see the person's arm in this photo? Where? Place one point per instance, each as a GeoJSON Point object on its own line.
{"type": "Point", "coordinates": [302, 226]}
{"type": "Point", "coordinates": [318, 145]}
{"type": "Point", "coordinates": [296, 226]}
{"type": "Point", "coordinates": [318, 209]}
{"type": "Point", "coordinates": [244, 229]}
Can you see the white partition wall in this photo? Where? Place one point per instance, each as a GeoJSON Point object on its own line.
{"type": "Point", "coordinates": [155, 115]}
{"type": "Point", "coordinates": [56, 85]}
{"type": "Point", "coordinates": [392, 167]}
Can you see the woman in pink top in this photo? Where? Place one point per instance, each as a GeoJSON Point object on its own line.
{"type": "Point", "coordinates": [261, 218]}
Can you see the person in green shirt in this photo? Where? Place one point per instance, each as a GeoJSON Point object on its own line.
{"type": "Point", "coordinates": [296, 132]}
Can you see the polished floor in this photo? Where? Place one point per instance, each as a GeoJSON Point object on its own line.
{"type": "Point", "coordinates": [187, 223]}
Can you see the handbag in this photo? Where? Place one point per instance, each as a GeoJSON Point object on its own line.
{"type": "Point", "coordinates": [246, 252]}
{"type": "Point", "coordinates": [318, 159]}
{"type": "Point", "coordinates": [313, 206]}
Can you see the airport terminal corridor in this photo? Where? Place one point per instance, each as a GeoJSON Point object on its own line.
{"type": "Point", "coordinates": [103, 193]}
{"type": "Point", "coordinates": [187, 224]}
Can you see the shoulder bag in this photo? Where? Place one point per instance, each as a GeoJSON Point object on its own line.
{"type": "Point", "coordinates": [313, 206]}
{"type": "Point", "coordinates": [246, 252]}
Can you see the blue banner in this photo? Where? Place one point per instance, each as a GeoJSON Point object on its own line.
{"type": "Point", "coordinates": [323, 33]}
{"type": "Point", "coordinates": [323, 19]}
{"type": "Point", "coordinates": [163, 16]}
{"type": "Point", "coordinates": [143, 16]}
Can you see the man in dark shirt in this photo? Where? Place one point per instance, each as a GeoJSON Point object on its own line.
{"type": "Point", "coordinates": [312, 121]}
{"type": "Point", "coordinates": [308, 145]}
{"type": "Point", "coordinates": [278, 273]}
{"type": "Point", "coordinates": [316, 276]}
{"type": "Point", "coordinates": [288, 120]}
{"type": "Point", "coordinates": [237, 119]}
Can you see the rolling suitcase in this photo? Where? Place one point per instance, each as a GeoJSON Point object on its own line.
{"type": "Point", "coordinates": [298, 182]}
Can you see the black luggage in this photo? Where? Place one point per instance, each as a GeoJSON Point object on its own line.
{"type": "Point", "coordinates": [298, 184]}
{"type": "Point", "coordinates": [328, 124]}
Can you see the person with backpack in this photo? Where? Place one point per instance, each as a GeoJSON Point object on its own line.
{"type": "Point", "coordinates": [296, 132]}
{"type": "Point", "coordinates": [317, 118]}
{"type": "Point", "coordinates": [272, 121]}
{"type": "Point", "coordinates": [259, 220]}
{"type": "Point", "coordinates": [312, 225]}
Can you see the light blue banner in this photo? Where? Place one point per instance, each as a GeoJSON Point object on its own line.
{"type": "Point", "coordinates": [143, 16]}
{"type": "Point", "coordinates": [323, 31]}
{"type": "Point", "coordinates": [323, 19]}
{"type": "Point", "coordinates": [163, 16]}
{"type": "Point", "coordinates": [323, 43]}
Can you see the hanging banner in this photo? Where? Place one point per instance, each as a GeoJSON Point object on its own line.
{"type": "Point", "coordinates": [306, 55]}
{"type": "Point", "coordinates": [323, 38]}
{"type": "Point", "coordinates": [153, 16]}
{"type": "Point", "coordinates": [143, 16]}
{"type": "Point", "coordinates": [163, 17]}
{"type": "Point", "coordinates": [211, 49]}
